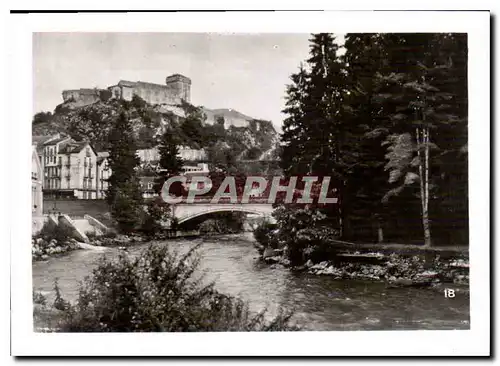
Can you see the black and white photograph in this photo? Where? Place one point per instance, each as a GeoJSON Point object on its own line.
{"type": "Point", "coordinates": [256, 182]}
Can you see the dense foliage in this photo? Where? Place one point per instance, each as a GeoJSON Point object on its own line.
{"type": "Point", "coordinates": [388, 121]}
{"type": "Point", "coordinates": [158, 291]}
{"type": "Point", "coordinates": [170, 163]}
{"type": "Point", "coordinates": [224, 146]}
{"type": "Point", "coordinates": [124, 195]}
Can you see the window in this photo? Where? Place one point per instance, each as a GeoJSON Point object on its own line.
{"type": "Point", "coordinates": [150, 185]}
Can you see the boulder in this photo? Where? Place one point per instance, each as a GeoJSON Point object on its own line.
{"type": "Point", "coordinates": [269, 252]}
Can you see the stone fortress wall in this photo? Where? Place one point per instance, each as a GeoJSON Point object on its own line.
{"type": "Point", "coordinates": [176, 89]}
{"type": "Point", "coordinates": [81, 97]}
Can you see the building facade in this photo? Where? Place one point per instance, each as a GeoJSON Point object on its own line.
{"type": "Point", "coordinates": [147, 187]}
{"type": "Point", "coordinates": [81, 97]}
{"type": "Point", "coordinates": [37, 218]}
{"type": "Point", "coordinates": [102, 174]}
{"type": "Point", "coordinates": [73, 169]}
{"type": "Point", "coordinates": [36, 183]}
{"type": "Point", "coordinates": [177, 88]}
{"type": "Point", "coordinates": [151, 156]}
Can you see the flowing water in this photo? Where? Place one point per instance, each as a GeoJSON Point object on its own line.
{"type": "Point", "coordinates": [319, 302]}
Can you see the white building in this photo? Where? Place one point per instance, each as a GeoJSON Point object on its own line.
{"type": "Point", "coordinates": [36, 191]}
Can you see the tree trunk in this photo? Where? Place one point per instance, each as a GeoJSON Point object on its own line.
{"type": "Point", "coordinates": [425, 212]}
{"type": "Point", "coordinates": [423, 169]}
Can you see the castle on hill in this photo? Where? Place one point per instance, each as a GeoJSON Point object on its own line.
{"type": "Point", "coordinates": [177, 88]}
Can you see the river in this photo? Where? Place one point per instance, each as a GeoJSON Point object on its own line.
{"type": "Point", "coordinates": [319, 302]}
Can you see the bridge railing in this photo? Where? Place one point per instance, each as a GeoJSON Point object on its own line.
{"type": "Point", "coordinates": [201, 200]}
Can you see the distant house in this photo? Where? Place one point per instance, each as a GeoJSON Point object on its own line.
{"type": "Point", "coordinates": [103, 174]}
{"type": "Point", "coordinates": [72, 169]}
{"type": "Point", "coordinates": [185, 153]}
{"type": "Point", "coordinates": [39, 141]}
{"type": "Point", "coordinates": [200, 170]}
{"type": "Point", "coordinates": [148, 156]}
{"type": "Point", "coordinates": [147, 185]}
{"type": "Point", "coordinates": [188, 154]}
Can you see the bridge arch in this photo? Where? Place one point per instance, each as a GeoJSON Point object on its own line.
{"type": "Point", "coordinates": [185, 213]}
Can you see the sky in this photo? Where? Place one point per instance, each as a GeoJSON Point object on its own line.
{"type": "Point", "coordinates": [246, 72]}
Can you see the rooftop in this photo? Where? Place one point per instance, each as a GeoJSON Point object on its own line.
{"type": "Point", "coordinates": [40, 139]}
{"type": "Point", "coordinates": [126, 83]}
{"type": "Point", "coordinates": [56, 141]}
{"type": "Point", "coordinates": [73, 147]}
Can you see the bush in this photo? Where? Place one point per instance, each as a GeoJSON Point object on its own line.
{"type": "Point", "coordinates": [156, 214]}
{"type": "Point", "coordinates": [264, 234]}
{"type": "Point", "coordinates": [304, 231]}
{"type": "Point", "coordinates": [92, 235]}
{"type": "Point", "coordinates": [61, 233]}
{"type": "Point", "coordinates": [158, 291]}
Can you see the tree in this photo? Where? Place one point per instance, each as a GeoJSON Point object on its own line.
{"type": "Point", "coordinates": [388, 121]}
{"type": "Point", "coordinates": [169, 154]}
{"type": "Point", "coordinates": [42, 117]}
{"type": "Point", "coordinates": [170, 163]}
{"type": "Point", "coordinates": [313, 138]}
{"type": "Point", "coordinates": [124, 195]}
{"type": "Point", "coordinates": [420, 98]}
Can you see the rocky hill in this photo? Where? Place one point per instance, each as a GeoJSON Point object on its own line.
{"type": "Point", "coordinates": [231, 117]}
{"type": "Point", "coordinates": [227, 135]}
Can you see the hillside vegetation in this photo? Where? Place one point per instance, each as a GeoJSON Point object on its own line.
{"type": "Point", "coordinates": [249, 139]}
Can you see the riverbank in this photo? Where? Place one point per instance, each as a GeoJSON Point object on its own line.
{"type": "Point", "coordinates": [397, 265]}
{"type": "Point", "coordinates": [43, 249]}
{"type": "Point", "coordinates": [320, 302]}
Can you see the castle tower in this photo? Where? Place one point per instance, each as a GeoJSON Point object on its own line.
{"type": "Point", "coordinates": [179, 86]}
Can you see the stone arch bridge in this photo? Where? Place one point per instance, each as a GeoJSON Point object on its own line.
{"type": "Point", "coordinates": [187, 211]}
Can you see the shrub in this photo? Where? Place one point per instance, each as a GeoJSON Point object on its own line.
{"type": "Point", "coordinates": [158, 291]}
{"type": "Point", "coordinates": [264, 234]}
{"type": "Point", "coordinates": [156, 214]}
{"type": "Point", "coordinates": [61, 233]}
{"type": "Point", "coordinates": [305, 231]}
{"type": "Point", "coordinates": [211, 226]}
{"type": "Point", "coordinates": [59, 302]}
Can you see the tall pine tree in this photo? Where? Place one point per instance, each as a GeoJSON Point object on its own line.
{"type": "Point", "coordinates": [170, 163]}
{"type": "Point", "coordinates": [312, 133]}
{"type": "Point", "coordinates": [124, 195]}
